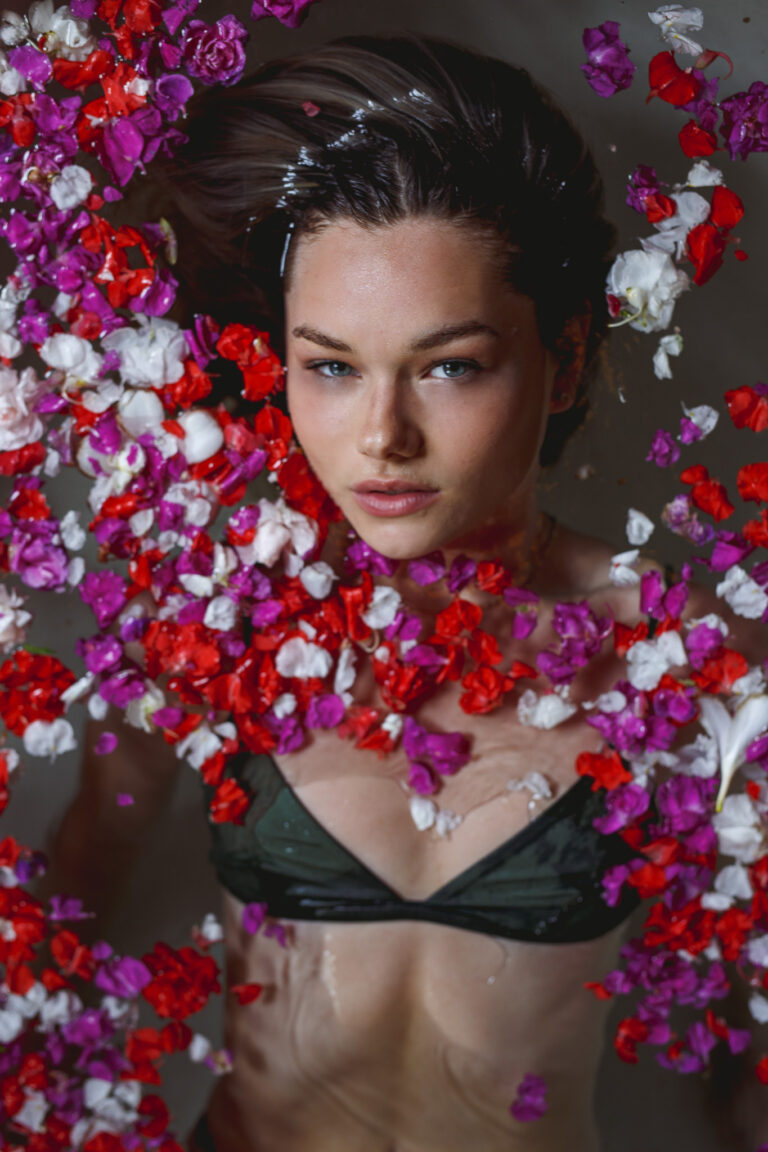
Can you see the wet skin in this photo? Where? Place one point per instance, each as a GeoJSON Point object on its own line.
{"type": "Point", "coordinates": [419, 390]}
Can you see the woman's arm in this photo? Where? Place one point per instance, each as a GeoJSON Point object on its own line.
{"type": "Point", "coordinates": [98, 839]}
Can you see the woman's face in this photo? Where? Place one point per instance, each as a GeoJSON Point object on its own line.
{"type": "Point", "coordinates": [417, 383]}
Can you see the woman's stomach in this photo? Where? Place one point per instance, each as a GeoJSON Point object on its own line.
{"type": "Point", "coordinates": [407, 1036]}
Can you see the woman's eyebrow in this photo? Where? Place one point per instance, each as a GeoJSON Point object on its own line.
{"type": "Point", "coordinates": [448, 332]}
{"type": "Point", "coordinates": [434, 339]}
{"type": "Point", "coordinates": [304, 332]}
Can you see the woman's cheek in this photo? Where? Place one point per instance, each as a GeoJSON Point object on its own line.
{"type": "Point", "coordinates": [321, 435]}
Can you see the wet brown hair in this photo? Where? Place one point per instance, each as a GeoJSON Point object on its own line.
{"type": "Point", "coordinates": [377, 129]}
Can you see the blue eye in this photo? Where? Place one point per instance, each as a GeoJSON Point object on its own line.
{"type": "Point", "coordinates": [455, 369]}
{"type": "Point", "coordinates": [331, 369]}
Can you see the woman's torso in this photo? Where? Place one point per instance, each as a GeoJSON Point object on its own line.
{"type": "Point", "coordinates": [408, 1035]}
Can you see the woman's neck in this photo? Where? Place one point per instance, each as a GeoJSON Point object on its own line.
{"type": "Point", "coordinates": [521, 547]}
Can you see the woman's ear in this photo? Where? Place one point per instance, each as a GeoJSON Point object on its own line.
{"type": "Point", "coordinates": [571, 354]}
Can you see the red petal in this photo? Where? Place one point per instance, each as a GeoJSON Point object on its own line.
{"type": "Point", "coordinates": [694, 474]}
{"type": "Point", "coordinates": [247, 993]}
{"type": "Point", "coordinates": [624, 636]}
{"type": "Point", "coordinates": [695, 141]}
{"type": "Point", "coordinates": [659, 207]}
{"type": "Point", "coordinates": [752, 481]}
{"type": "Point", "coordinates": [711, 497]}
{"type": "Point", "coordinates": [705, 250]}
{"type": "Point", "coordinates": [671, 83]}
{"type": "Point", "coordinates": [748, 408]}
{"type": "Point", "coordinates": [727, 208]}
{"type": "Point", "coordinates": [606, 771]}
{"type": "Point", "coordinates": [756, 531]}
{"type": "Point", "coordinates": [82, 73]}
{"type": "Point", "coordinates": [719, 673]}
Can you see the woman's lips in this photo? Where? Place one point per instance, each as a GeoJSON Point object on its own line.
{"type": "Point", "coordinates": [393, 500]}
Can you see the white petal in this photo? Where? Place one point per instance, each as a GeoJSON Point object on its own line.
{"type": "Point", "coordinates": [393, 724]}
{"type": "Point", "coordinates": [49, 739]}
{"type": "Point", "coordinates": [757, 951]}
{"type": "Point", "coordinates": [318, 579]}
{"type": "Point", "coordinates": [211, 929]}
{"type": "Point", "coordinates": [704, 175]}
{"type": "Point", "coordinates": [11, 1025]}
{"type": "Point", "coordinates": [758, 1007]}
{"type": "Point", "coordinates": [423, 812]}
{"type": "Point", "coordinates": [624, 577]}
{"type": "Point", "coordinates": [661, 366]}
{"type": "Point", "coordinates": [301, 659]}
{"type": "Point", "coordinates": [70, 187]}
{"type": "Point", "coordinates": [75, 571]}
{"type": "Point", "coordinates": [716, 901]}
{"type": "Point", "coordinates": [198, 746]}
{"type": "Point", "coordinates": [284, 705]}
{"type": "Point", "coordinates": [733, 733]}
{"type": "Point", "coordinates": [344, 676]}
{"type": "Point", "coordinates": [545, 711]}
{"type": "Point", "coordinates": [612, 701]}
{"type": "Point", "coordinates": [141, 521]}
{"type": "Point", "coordinates": [704, 417]}
{"type": "Point", "coordinates": [221, 614]}
{"type": "Point", "coordinates": [446, 821]}
{"type": "Point", "coordinates": [383, 607]}
{"type": "Point", "coordinates": [648, 660]}
{"type": "Point", "coordinates": [740, 829]}
{"type": "Point", "coordinates": [742, 593]}
{"type": "Point", "coordinates": [700, 758]}
{"type": "Point", "coordinates": [752, 683]}
{"type": "Point", "coordinates": [203, 435]}
{"type": "Point", "coordinates": [140, 411]}
{"type": "Point", "coordinates": [199, 1048]}
{"type": "Point", "coordinates": [97, 707]}
{"type": "Point", "coordinates": [639, 527]}
{"type": "Point", "coordinates": [733, 880]}
{"type": "Point", "coordinates": [32, 1113]}
{"type": "Point", "coordinates": [96, 1091]}
{"type": "Point", "coordinates": [535, 783]}
{"type": "Point", "coordinates": [72, 532]}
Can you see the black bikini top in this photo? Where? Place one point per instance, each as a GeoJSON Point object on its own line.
{"type": "Point", "coordinates": [541, 885]}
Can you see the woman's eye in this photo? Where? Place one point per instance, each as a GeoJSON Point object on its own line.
{"type": "Point", "coordinates": [454, 369]}
{"type": "Point", "coordinates": [331, 369]}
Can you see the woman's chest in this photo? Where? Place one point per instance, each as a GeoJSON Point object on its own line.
{"type": "Point", "coordinates": [417, 827]}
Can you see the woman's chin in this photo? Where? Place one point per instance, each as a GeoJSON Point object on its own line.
{"type": "Point", "coordinates": [396, 541]}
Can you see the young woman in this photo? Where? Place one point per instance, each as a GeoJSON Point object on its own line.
{"type": "Point", "coordinates": [421, 230]}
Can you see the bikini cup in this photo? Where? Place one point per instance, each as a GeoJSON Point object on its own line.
{"type": "Point", "coordinates": [541, 885]}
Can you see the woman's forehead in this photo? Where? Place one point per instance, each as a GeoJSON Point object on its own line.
{"type": "Point", "coordinates": [423, 272]}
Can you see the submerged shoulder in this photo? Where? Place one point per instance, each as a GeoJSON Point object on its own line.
{"type": "Point", "coordinates": [579, 567]}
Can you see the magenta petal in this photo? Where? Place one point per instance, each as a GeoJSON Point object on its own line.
{"type": "Point", "coordinates": [427, 569]}
{"type": "Point", "coordinates": [523, 624]}
{"type": "Point", "coordinates": [530, 1102]}
{"type": "Point", "coordinates": [32, 63]}
{"type": "Point", "coordinates": [421, 780]}
{"type": "Point", "coordinates": [105, 744]}
{"type": "Point", "coordinates": [325, 711]}
{"type": "Point", "coordinates": [253, 917]}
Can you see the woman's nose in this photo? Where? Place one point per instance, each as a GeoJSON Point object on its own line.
{"type": "Point", "coordinates": [388, 428]}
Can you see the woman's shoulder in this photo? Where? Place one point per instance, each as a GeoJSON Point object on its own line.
{"type": "Point", "coordinates": [580, 566]}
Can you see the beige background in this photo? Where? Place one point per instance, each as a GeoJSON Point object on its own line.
{"type": "Point", "coordinates": [723, 324]}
